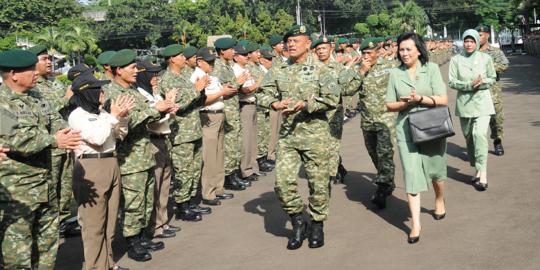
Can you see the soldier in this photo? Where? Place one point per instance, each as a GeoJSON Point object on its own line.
{"type": "Point", "coordinates": [135, 158]}
{"type": "Point", "coordinates": [103, 59]}
{"type": "Point", "coordinates": [276, 42]}
{"type": "Point", "coordinates": [233, 129]}
{"type": "Point", "coordinates": [190, 53]}
{"type": "Point", "coordinates": [376, 122]}
{"type": "Point", "coordinates": [305, 91]}
{"type": "Point", "coordinates": [187, 131]}
{"type": "Point", "coordinates": [501, 65]}
{"type": "Point", "coordinates": [28, 199]}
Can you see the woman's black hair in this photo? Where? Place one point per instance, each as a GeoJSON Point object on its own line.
{"type": "Point", "coordinates": [420, 46]}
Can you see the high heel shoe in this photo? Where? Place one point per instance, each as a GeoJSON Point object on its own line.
{"type": "Point", "coordinates": [413, 239]}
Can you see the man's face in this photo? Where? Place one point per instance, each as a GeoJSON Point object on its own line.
{"type": "Point", "coordinates": [484, 38]}
{"type": "Point", "coordinates": [179, 60]}
{"type": "Point", "coordinates": [254, 56]}
{"type": "Point", "coordinates": [24, 78]}
{"type": "Point", "coordinates": [128, 73]}
{"type": "Point", "coordinates": [206, 66]}
{"type": "Point", "coordinates": [192, 62]}
{"type": "Point", "coordinates": [44, 65]}
{"type": "Point", "coordinates": [370, 55]}
{"type": "Point", "coordinates": [343, 46]}
{"type": "Point", "coordinates": [323, 51]}
{"type": "Point", "coordinates": [356, 46]}
{"type": "Point", "coordinates": [279, 47]}
{"type": "Point", "coordinates": [241, 59]}
{"type": "Point", "coordinates": [227, 54]}
{"type": "Point", "coordinates": [267, 63]}
{"type": "Point", "coordinates": [298, 46]}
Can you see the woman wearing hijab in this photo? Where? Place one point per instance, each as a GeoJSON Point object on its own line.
{"type": "Point", "coordinates": [472, 73]}
{"type": "Point", "coordinates": [96, 175]}
{"type": "Point", "coordinates": [417, 85]}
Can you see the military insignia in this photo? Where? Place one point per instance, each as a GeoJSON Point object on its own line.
{"type": "Point", "coordinates": [325, 40]}
{"type": "Point", "coordinates": [481, 29]}
{"type": "Point", "coordinates": [302, 29]}
{"type": "Point", "coordinates": [370, 44]}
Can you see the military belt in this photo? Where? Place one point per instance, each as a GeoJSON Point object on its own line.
{"type": "Point", "coordinates": [242, 103]}
{"type": "Point", "coordinates": [97, 155]}
{"type": "Point", "coordinates": [158, 136]}
{"type": "Point", "coordinates": [212, 111]}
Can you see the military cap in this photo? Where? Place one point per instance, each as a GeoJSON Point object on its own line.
{"type": "Point", "coordinates": [87, 81]}
{"type": "Point", "coordinates": [353, 40]}
{"type": "Point", "coordinates": [267, 54]}
{"type": "Point", "coordinates": [266, 47]}
{"type": "Point", "coordinates": [122, 58]}
{"type": "Point", "coordinates": [207, 54]}
{"type": "Point", "coordinates": [17, 59]}
{"type": "Point", "coordinates": [319, 41]}
{"type": "Point", "coordinates": [172, 50]}
{"type": "Point", "coordinates": [224, 43]}
{"type": "Point", "coordinates": [342, 40]}
{"type": "Point", "coordinates": [190, 51]}
{"type": "Point", "coordinates": [243, 42]}
{"type": "Point", "coordinates": [296, 30]}
{"type": "Point", "coordinates": [483, 28]}
{"type": "Point", "coordinates": [105, 57]}
{"type": "Point", "coordinates": [275, 40]}
{"type": "Point", "coordinates": [368, 44]}
{"type": "Point", "coordinates": [148, 67]}
{"type": "Point", "coordinates": [251, 47]}
{"type": "Point", "coordinates": [78, 70]}
{"type": "Point", "coordinates": [38, 49]}
{"type": "Point", "coordinates": [239, 49]}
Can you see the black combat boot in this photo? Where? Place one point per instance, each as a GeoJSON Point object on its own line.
{"type": "Point", "coordinates": [379, 198]}
{"type": "Point", "coordinates": [316, 234]}
{"type": "Point", "coordinates": [299, 231]}
{"type": "Point", "coordinates": [136, 251]}
{"type": "Point", "coordinates": [499, 149]}
{"type": "Point", "coordinates": [246, 181]}
{"type": "Point", "coordinates": [200, 209]}
{"type": "Point", "coordinates": [183, 212]}
{"type": "Point", "coordinates": [150, 245]}
{"type": "Point", "coordinates": [232, 184]}
{"type": "Point", "coordinates": [264, 166]}
{"type": "Point", "coordinates": [342, 172]}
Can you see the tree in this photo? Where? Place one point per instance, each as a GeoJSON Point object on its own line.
{"type": "Point", "coordinates": [495, 12]}
{"type": "Point", "coordinates": [78, 40]}
{"type": "Point", "coordinates": [410, 17]}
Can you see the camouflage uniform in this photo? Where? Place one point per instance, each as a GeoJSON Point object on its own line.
{"type": "Point", "coordinates": [263, 115]}
{"type": "Point", "coordinates": [378, 125]}
{"type": "Point", "coordinates": [303, 135]}
{"type": "Point", "coordinates": [28, 199]}
{"type": "Point", "coordinates": [61, 170]}
{"type": "Point", "coordinates": [233, 129]}
{"type": "Point", "coordinates": [501, 65]}
{"type": "Point", "coordinates": [136, 160]}
{"type": "Point", "coordinates": [187, 134]}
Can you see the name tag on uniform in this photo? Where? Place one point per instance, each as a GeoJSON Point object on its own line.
{"type": "Point", "coordinates": [381, 72]}
{"type": "Point", "coordinates": [92, 119]}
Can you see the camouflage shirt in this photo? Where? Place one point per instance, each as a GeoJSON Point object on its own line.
{"type": "Point", "coordinates": [499, 59]}
{"type": "Point", "coordinates": [224, 72]}
{"type": "Point", "coordinates": [27, 122]}
{"type": "Point", "coordinates": [135, 153]}
{"type": "Point", "coordinates": [311, 82]}
{"type": "Point", "coordinates": [373, 96]}
{"type": "Point", "coordinates": [186, 126]}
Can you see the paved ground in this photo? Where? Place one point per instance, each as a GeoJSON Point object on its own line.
{"type": "Point", "coordinates": [496, 229]}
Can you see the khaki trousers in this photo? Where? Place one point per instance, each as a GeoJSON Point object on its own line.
{"type": "Point", "coordinates": [275, 124]}
{"type": "Point", "coordinates": [96, 188]}
{"type": "Point", "coordinates": [249, 150]}
{"type": "Point", "coordinates": [162, 172]}
{"type": "Point", "coordinates": [213, 170]}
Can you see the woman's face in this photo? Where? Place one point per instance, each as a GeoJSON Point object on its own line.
{"type": "Point", "coordinates": [408, 52]}
{"type": "Point", "coordinates": [469, 44]}
{"type": "Point", "coordinates": [102, 97]}
{"type": "Point", "coordinates": [153, 82]}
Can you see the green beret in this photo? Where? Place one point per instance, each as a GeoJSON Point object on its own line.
{"type": "Point", "coordinates": [483, 28]}
{"type": "Point", "coordinates": [296, 30]}
{"type": "Point", "coordinates": [190, 52]}
{"type": "Point", "coordinates": [122, 58]}
{"type": "Point", "coordinates": [105, 57]}
{"type": "Point", "coordinates": [353, 40]}
{"type": "Point", "coordinates": [224, 43]}
{"type": "Point", "coordinates": [275, 40]}
{"type": "Point", "coordinates": [38, 49]}
{"type": "Point", "coordinates": [243, 42]}
{"type": "Point", "coordinates": [266, 47]}
{"type": "Point", "coordinates": [172, 50]}
{"type": "Point", "coordinates": [368, 44]}
{"type": "Point", "coordinates": [341, 40]}
{"type": "Point", "coordinates": [17, 59]}
{"type": "Point", "coordinates": [252, 46]}
{"type": "Point", "coordinates": [321, 40]}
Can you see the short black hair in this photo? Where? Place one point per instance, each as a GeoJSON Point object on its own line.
{"type": "Point", "coordinates": [420, 46]}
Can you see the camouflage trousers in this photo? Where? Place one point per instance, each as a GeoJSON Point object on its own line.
{"type": "Point", "coordinates": [336, 132]}
{"type": "Point", "coordinates": [187, 166]}
{"type": "Point", "coordinates": [232, 142]}
{"type": "Point", "coordinates": [315, 160]}
{"type": "Point", "coordinates": [29, 235]}
{"type": "Point", "coordinates": [497, 120]}
{"type": "Point", "coordinates": [263, 138]}
{"type": "Point", "coordinates": [381, 150]}
{"type": "Point", "coordinates": [138, 201]}
{"type": "Point", "coordinates": [61, 171]}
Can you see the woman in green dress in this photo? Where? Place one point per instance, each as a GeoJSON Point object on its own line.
{"type": "Point", "coordinates": [417, 85]}
{"type": "Point", "coordinates": [472, 73]}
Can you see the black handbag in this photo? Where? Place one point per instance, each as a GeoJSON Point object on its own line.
{"type": "Point", "coordinates": [431, 124]}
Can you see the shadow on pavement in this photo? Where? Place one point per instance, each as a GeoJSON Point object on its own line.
{"type": "Point", "coordinates": [268, 207]}
{"type": "Point", "coordinates": [359, 187]}
{"type": "Point", "coordinates": [457, 151]}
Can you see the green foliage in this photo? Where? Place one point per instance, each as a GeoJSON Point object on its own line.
{"type": "Point", "coordinates": [8, 42]}
{"type": "Point", "coordinates": [63, 79]}
{"type": "Point", "coordinates": [494, 12]}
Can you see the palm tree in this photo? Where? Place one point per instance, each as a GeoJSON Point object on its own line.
{"type": "Point", "coordinates": [51, 38]}
{"type": "Point", "coordinates": [410, 17]}
{"type": "Point", "coordinates": [77, 40]}
{"type": "Point", "coordinates": [181, 32]}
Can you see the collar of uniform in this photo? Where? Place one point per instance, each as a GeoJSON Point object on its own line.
{"type": "Point", "coordinates": [310, 61]}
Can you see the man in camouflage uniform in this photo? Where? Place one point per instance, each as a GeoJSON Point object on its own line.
{"type": "Point", "coordinates": [187, 130]}
{"type": "Point", "coordinates": [276, 42]}
{"type": "Point", "coordinates": [501, 65]}
{"type": "Point", "coordinates": [349, 82]}
{"type": "Point", "coordinates": [54, 93]}
{"type": "Point", "coordinates": [233, 129]}
{"type": "Point", "coordinates": [305, 91]}
{"type": "Point", "coordinates": [191, 61]}
{"type": "Point", "coordinates": [376, 122]}
{"type": "Point", "coordinates": [136, 157]}
{"type": "Point", "coordinates": [28, 198]}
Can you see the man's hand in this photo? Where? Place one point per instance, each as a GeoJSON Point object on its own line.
{"type": "Point", "coordinates": [121, 106]}
{"type": "Point", "coordinates": [280, 105]}
{"type": "Point", "coordinates": [243, 77]}
{"type": "Point", "coordinates": [171, 95]}
{"type": "Point", "coordinates": [164, 105]}
{"type": "Point", "coordinates": [3, 151]}
{"type": "Point", "coordinates": [365, 66]}
{"type": "Point", "coordinates": [353, 61]}
{"type": "Point", "coordinates": [229, 90]}
{"type": "Point", "coordinates": [297, 107]}
{"type": "Point", "coordinates": [202, 82]}
{"type": "Point", "coordinates": [68, 139]}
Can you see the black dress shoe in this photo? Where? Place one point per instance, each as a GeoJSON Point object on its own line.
{"type": "Point", "coordinates": [251, 178]}
{"type": "Point", "coordinates": [259, 173]}
{"type": "Point", "coordinates": [439, 217]}
{"type": "Point", "coordinates": [184, 213]}
{"type": "Point", "coordinates": [299, 232]}
{"type": "Point", "coordinates": [264, 166]}
{"type": "Point", "coordinates": [271, 162]}
{"type": "Point", "coordinates": [172, 228]}
{"type": "Point", "coordinates": [499, 149]}
{"type": "Point", "coordinates": [232, 184]}
{"type": "Point", "coordinates": [136, 251]}
{"type": "Point", "coordinates": [199, 209]}
{"type": "Point", "coordinates": [150, 245]}
{"type": "Point", "coordinates": [214, 201]}
{"type": "Point", "coordinates": [225, 196]}
{"type": "Point", "coordinates": [316, 235]}
{"type": "Point", "coordinates": [480, 186]}
{"type": "Point", "coordinates": [413, 240]}
{"type": "Point", "coordinates": [379, 198]}
{"type": "Point", "coordinates": [166, 234]}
